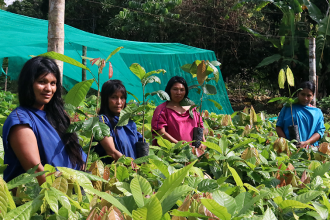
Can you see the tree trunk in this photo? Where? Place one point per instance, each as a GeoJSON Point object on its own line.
{"type": "Point", "coordinates": [56, 29]}
{"type": "Point", "coordinates": [312, 65]}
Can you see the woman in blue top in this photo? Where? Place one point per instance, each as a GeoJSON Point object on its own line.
{"type": "Point", "coordinates": [35, 132]}
{"type": "Point", "coordinates": [308, 118]}
{"type": "Point", "coordinates": [123, 139]}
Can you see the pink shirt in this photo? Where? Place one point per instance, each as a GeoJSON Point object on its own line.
{"type": "Point", "coordinates": [179, 126]}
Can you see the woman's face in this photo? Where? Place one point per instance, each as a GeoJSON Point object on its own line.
{"type": "Point", "coordinates": [116, 102]}
{"type": "Point", "coordinates": [305, 96]}
{"type": "Point", "coordinates": [44, 88]}
{"type": "Point", "coordinates": [178, 92]}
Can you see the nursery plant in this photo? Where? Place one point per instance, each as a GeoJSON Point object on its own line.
{"type": "Point", "coordinates": [142, 148]}
{"type": "Point", "coordinates": [287, 76]}
{"type": "Point", "coordinates": [201, 70]}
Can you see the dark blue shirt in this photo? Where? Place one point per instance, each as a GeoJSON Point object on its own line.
{"type": "Point", "coordinates": [50, 145]}
{"type": "Point", "coordinates": [124, 138]}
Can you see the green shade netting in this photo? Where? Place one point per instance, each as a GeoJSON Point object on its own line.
{"type": "Point", "coordinates": [21, 36]}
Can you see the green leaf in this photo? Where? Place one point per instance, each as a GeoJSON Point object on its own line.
{"type": "Point", "coordinates": [269, 60]}
{"type": "Point", "coordinates": [23, 179]}
{"type": "Point", "coordinates": [243, 199]}
{"type": "Point", "coordinates": [153, 72]}
{"type": "Point", "coordinates": [161, 166]}
{"type": "Point", "coordinates": [113, 53]}
{"type": "Point", "coordinates": [213, 146]}
{"type": "Point", "coordinates": [50, 169]}
{"type": "Point", "coordinates": [66, 59]}
{"type": "Point", "coordinates": [140, 213]}
{"type": "Point", "coordinates": [61, 184]}
{"type": "Point", "coordinates": [237, 179]}
{"type": "Point", "coordinates": [216, 104]}
{"type": "Point", "coordinates": [178, 213]}
{"type": "Point", "coordinates": [61, 197]}
{"type": "Point", "coordinates": [225, 200]}
{"type": "Point", "coordinates": [3, 199]}
{"type": "Point", "coordinates": [138, 70]}
{"type": "Point", "coordinates": [52, 200]}
{"type": "Point", "coordinates": [140, 188]}
{"type": "Point", "coordinates": [78, 92]}
{"type": "Point", "coordinates": [241, 144]}
{"type": "Point", "coordinates": [218, 210]}
{"type": "Point", "coordinates": [209, 89]}
{"type": "Point", "coordinates": [150, 79]}
{"type": "Point", "coordinates": [308, 196]}
{"type": "Point", "coordinates": [281, 79]}
{"type": "Point", "coordinates": [321, 170]}
{"type": "Point", "coordinates": [215, 70]}
{"type": "Point", "coordinates": [313, 11]}
{"type": "Point", "coordinates": [124, 116]}
{"type": "Point", "coordinates": [294, 204]}
{"type": "Point", "coordinates": [173, 181]}
{"type": "Point", "coordinates": [186, 102]}
{"type": "Point", "coordinates": [321, 209]}
{"type": "Point", "coordinates": [248, 206]}
{"type": "Point", "coordinates": [122, 173]}
{"type": "Point", "coordinates": [274, 41]}
{"type": "Point", "coordinates": [289, 76]}
{"type": "Point", "coordinates": [172, 198]}
{"type": "Point", "coordinates": [186, 67]}
{"type": "Point", "coordinates": [162, 142]}
{"type": "Point", "coordinates": [25, 211]}
{"type": "Point", "coordinates": [269, 215]}
{"type": "Point", "coordinates": [133, 96]}
{"type": "Point", "coordinates": [215, 63]}
{"type": "Point", "coordinates": [161, 93]}
{"type": "Point", "coordinates": [276, 99]}
{"type": "Point", "coordinates": [154, 209]}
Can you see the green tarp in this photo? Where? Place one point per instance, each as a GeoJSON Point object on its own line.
{"type": "Point", "coordinates": [21, 36]}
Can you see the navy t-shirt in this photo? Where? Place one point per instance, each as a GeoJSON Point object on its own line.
{"type": "Point", "coordinates": [50, 145]}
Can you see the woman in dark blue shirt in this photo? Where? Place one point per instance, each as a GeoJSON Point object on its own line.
{"type": "Point", "coordinates": [35, 132]}
{"type": "Point", "coordinates": [123, 139]}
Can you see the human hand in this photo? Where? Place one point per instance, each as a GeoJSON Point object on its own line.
{"type": "Point", "coordinates": [303, 144]}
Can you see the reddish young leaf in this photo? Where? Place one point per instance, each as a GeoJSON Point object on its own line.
{"type": "Point", "coordinates": [110, 70]}
{"type": "Point", "coordinates": [94, 60]}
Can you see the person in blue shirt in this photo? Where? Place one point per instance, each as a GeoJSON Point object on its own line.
{"type": "Point", "coordinates": [123, 138]}
{"type": "Point", "coordinates": [308, 118]}
{"type": "Point", "coordinates": [35, 132]}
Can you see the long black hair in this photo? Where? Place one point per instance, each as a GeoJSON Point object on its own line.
{"type": "Point", "coordinates": [55, 113]}
{"type": "Point", "coordinates": [110, 87]}
{"type": "Point", "coordinates": [172, 81]}
{"type": "Point", "coordinates": [307, 85]}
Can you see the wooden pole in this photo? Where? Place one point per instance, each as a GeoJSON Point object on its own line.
{"type": "Point", "coordinates": [312, 64]}
{"type": "Point", "coordinates": [84, 61]}
{"type": "Point", "coordinates": [6, 79]}
{"type": "Point", "coordinates": [56, 29]}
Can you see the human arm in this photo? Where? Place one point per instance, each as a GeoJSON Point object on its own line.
{"type": "Point", "coordinates": [166, 135]}
{"type": "Point", "coordinates": [280, 132]}
{"type": "Point", "coordinates": [24, 144]}
{"type": "Point", "coordinates": [109, 147]}
{"type": "Point", "coordinates": [315, 137]}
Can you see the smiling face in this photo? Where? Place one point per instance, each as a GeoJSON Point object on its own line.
{"type": "Point", "coordinates": [178, 92]}
{"type": "Point", "coordinates": [44, 88]}
{"type": "Point", "coordinates": [305, 96]}
{"type": "Point", "coordinates": [116, 102]}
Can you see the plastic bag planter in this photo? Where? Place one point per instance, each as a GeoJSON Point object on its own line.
{"type": "Point", "coordinates": [197, 136]}
{"type": "Point", "coordinates": [294, 132]}
{"type": "Point", "coordinates": [142, 149]}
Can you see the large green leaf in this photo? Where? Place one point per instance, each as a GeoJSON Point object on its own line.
{"type": "Point", "coordinates": [308, 196]}
{"type": "Point", "coordinates": [218, 210]}
{"type": "Point", "coordinates": [241, 144]}
{"type": "Point", "coordinates": [25, 211]}
{"type": "Point", "coordinates": [281, 79]}
{"type": "Point", "coordinates": [50, 178]}
{"type": "Point", "coordinates": [237, 179]}
{"type": "Point", "coordinates": [161, 93]}
{"type": "Point", "coordinates": [140, 188]}
{"type": "Point", "coordinates": [321, 170]}
{"type": "Point", "coordinates": [269, 215]}
{"type": "Point", "coordinates": [213, 146]}
{"type": "Point", "coordinates": [161, 166]}
{"type": "Point", "coordinates": [186, 67]}
{"type": "Point", "coordinates": [124, 116]}
{"type": "Point", "coordinates": [66, 59]}
{"type": "Point", "coordinates": [154, 209]}
{"type": "Point", "coordinates": [178, 213]}
{"type": "Point", "coordinates": [122, 173]}
{"type": "Point", "coordinates": [269, 60]}
{"type": "Point", "coordinates": [216, 104]}
{"type": "Point", "coordinates": [289, 76]}
{"type": "Point", "coordinates": [61, 184]}
{"type": "Point", "coordinates": [186, 102]}
{"type": "Point", "coordinates": [209, 89]}
{"type": "Point", "coordinates": [153, 72]}
{"type": "Point", "coordinates": [294, 204]}
{"type": "Point", "coordinates": [138, 70]}
{"type": "Point", "coordinates": [215, 70]}
{"type": "Point", "coordinates": [172, 198]}
{"type": "Point", "coordinates": [140, 213]}
{"type": "Point", "coordinates": [150, 79]}
{"type": "Point", "coordinates": [321, 209]}
{"type": "Point", "coordinates": [61, 197]}
{"type": "Point", "coordinates": [113, 53]}
{"type": "Point", "coordinates": [250, 205]}
{"type": "Point", "coordinates": [23, 179]}
{"type": "Point", "coordinates": [3, 198]}
{"type": "Point", "coordinates": [225, 200]}
{"type": "Point", "coordinates": [274, 41]}
{"type": "Point", "coordinates": [285, 191]}
{"type": "Point", "coordinates": [78, 92]}
{"type": "Point", "coordinates": [173, 181]}
{"type": "Point", "coordinates": [243, 199]}
{"type": "Point", "coordinates": [51, 199]}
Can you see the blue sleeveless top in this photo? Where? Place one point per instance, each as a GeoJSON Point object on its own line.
{"type": "Point", "coordinates": [124, 138]}
{"type": "Point", "coordinates": [309, 120]}
{"type": "Point", "coordinates": [50, 145]}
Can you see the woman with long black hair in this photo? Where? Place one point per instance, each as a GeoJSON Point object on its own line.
{"type": "Point", "coordinates": [123, 138]}
{"type": "Point", "coordinates": [35, 132]}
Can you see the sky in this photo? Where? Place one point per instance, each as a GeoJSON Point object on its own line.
{"type": "Point", "coordinates": [8, 2]}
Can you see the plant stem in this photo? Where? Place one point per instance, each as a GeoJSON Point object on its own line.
{"type": "Point", "coordinates": [290, 104]}
{"type": "Point", "coordinates": [200, 110]}
{"type": "Point", "coordinates": [143, 112]}
{"type": "Point", "coordinates": [89, 149]}
{"type": "Point", "coordinates": [98, 91]}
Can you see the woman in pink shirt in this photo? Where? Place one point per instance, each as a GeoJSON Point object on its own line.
{"type": "Point", "coordinates": [170, 119]}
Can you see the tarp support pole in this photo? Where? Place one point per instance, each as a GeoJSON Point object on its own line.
{"type": "Point", "coordinates": [6, 79]}
{"type": "Point", "coordinates": [84, 53]}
